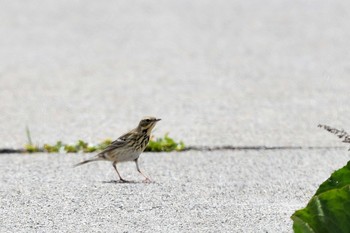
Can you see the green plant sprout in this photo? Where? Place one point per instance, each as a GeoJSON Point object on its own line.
{"type": "Point", "coordinates": [166, 144]}
{"type": "Point", "coordinates": [30, 147]}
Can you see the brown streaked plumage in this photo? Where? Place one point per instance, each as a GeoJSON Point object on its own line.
{"type": "Point", "coordinates": [127, 147]}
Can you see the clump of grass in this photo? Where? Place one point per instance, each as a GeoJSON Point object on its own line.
{"type": "Point", "coordinates": [165, 144]}
{"type": "Point", "coordinates": [32, 148]}
{"type": "Point", "coordinates": [79, 146]}
{"type": "Point", "coordinates": [53, 148]}
{"type": "Point", "coordinates": [104, 144]}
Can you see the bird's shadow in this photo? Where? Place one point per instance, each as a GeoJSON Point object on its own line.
{"type": "Point", "coordinates": [127, 182]}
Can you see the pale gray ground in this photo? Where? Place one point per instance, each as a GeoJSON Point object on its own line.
{"type": "Point", "coordinates": [217, 72]}
{"type": "Point", "coordinates": [240, 191]}
{"type": "Point", "coordinates": [225, 72]}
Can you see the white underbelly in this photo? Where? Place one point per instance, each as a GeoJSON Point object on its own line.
{"type": "Point", "coordinates": [130, 156]}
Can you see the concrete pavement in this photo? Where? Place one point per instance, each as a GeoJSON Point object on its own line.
{"type": "Point", "coordinates": [239, 73]}
{"type": "Point", "coordinates": [223, 191]}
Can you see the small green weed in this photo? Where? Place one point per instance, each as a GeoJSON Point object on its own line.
{"type": "Point", "coordinates": [165, 144]}
{"type": "Point", "coordinates": [79, 146]}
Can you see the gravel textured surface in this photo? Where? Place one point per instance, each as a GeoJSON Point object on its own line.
{"type": "Point", "coordinates": [218, 72]}
{"type": "Point", "coordinates": [240, 73]}
{"type": "Point", "coordinates": [224, 191]}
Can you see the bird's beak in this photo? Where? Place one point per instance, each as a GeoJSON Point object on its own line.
{"type": "Point", "coordinates": [157, 119]}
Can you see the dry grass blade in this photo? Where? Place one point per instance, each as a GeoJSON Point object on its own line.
{"type": "Point", "coordinates": [340, 133]}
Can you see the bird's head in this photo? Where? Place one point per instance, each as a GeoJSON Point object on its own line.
{"type": "Point", "coordinates": [147, 124]}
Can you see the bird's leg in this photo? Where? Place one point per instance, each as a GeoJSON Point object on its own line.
{"type": "Point", "coordinates": [138, 169]}
{"type": "Point", "coordinates": [115, 167]}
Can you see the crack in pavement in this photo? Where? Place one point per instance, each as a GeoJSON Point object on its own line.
{"type": "Point", "coordinates": [211, 148]}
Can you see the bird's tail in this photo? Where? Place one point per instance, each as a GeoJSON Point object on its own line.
{"type": "Point", "coordinates": [87, 161]}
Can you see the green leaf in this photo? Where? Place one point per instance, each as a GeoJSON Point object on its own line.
{"type": "Point", "coordinates": [327, 212]}
{"type": "Point", "coordinates": [329, 209]}
{"type": "Point", "coordinates": [338, 179]}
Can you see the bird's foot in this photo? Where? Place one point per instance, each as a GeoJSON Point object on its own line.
{"type": "Point", "coordinates": [147, 180]}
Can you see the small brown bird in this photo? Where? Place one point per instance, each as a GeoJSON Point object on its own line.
{"type": "Point", "coordinates": [127, 147]}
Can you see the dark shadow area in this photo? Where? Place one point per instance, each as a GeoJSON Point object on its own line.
{"type": "Point", "coordinates": [127, 182]}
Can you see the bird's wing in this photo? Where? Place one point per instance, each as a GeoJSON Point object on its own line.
{"type": "Point", "coordinates": [120, 142]}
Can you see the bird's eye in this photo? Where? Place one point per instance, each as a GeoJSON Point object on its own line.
{"type": "Point", "coordinates": [148, 120]}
